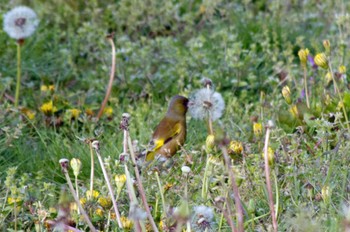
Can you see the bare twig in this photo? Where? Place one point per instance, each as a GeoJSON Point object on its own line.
{"type": "Point", "coordinates": [64, 165]}
{"type": "Point", "coordinates": [267, 174]}
{"type": "Point", "coordinates": [96, 146]}
{"type": "Point", "coordinates": [239, 208]}
{"type": "Point", "coordinates": [111, 78]}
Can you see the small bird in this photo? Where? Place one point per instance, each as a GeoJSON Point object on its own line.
{"type": "Point", "coordinates": [170, 134]}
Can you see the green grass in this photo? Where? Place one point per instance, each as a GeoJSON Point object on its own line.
{"type": "Point", "coordinates": [164, 49]}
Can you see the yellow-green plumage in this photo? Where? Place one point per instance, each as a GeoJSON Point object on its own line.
{"type": "Point", "coordinates": [170, 134]}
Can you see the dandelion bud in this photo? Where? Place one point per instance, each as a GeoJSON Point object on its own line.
{"type": "Point", "coordinates": [321, 60]}
{"type": "Point", "coordinates": [303, 53]}
{"type": "Point", "coordinates": [327, 100]}
{"type": "Point", "coordinates": [328, 77]}
{"type": "Point", "coordinates": [340, 105]}
{"type": "Point", "coordinates": [94, 194]}
{"type": "Point", "coordinates": [76, 166]}
{"type": "Point", "coordinates": [286, 94]}
{"type": "Point", "coordinates": [327, 46]}
{"type": "Point", "coordinates": [251, 206]}
{"type": "Point", "coordinates": [270, 155]}
{"type": "Point", "coordinates": [210, 142]}
{"type": "Point", "coordinates": [120, 181]}
{"type": "Point", "coordinates": [294, 111]}
{"type": "Point", "coordinates": [257, 128]}
{"type": "Point", "coordinates": [326, 193]}
{"type": "Point", "coordinates": [342, 69]}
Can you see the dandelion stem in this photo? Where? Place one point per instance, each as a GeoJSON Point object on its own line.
{"type": "Point", "coordinates": [205, 181]}
{"type": "Point", "coordinates": [268, 180]}
{"type": "Point", "coordinates": [305, 87]}
{"type": "Point", "coordinates": [239, 208]}
{"type": "Point", "coordinates": [15, 213]}
{"type": "Point", "coordinates": [95, 145]}
{"type": "Point", "coordinates": [18, 82]}
{"type": "Point", "coordinates": [336, 89]}
{"type": "Point", "coordinates": [92, 170]}
{"type": "Point", "coordinates": [140, 187]}
{"type": "Point", "coordinates": [111, 78]}
{"type": "Point", "coordinates": [139, 226]}
{"type": "Point", "coordinates": [92, 228]}
{"type": "Point", "coordinates": [161, 194]}
{"type": "Point", "coordinates": [76, 189]}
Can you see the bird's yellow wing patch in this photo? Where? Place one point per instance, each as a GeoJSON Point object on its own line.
{"type": "Point", "coordinates": [158, 143]}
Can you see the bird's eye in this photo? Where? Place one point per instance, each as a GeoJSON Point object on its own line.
{"type": "Point", "coordinates": [151, 143]}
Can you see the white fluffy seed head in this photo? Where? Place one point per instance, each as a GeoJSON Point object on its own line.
{"type": "Point", "coordinates": [20, 22]}
{"type": "Point", "coordinates": [204, 102]}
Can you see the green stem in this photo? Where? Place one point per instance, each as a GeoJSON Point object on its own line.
{"type": "Point", "coordinates": [77, 190]}
{"type": "Point", "coordinates": [161, 194]}
{"type": "Point", "coordinates": [340, 97]}
{"type": "Point", "coordinates": [92, 170]}
{"type": "Point", "coordinates": [18, 83]}
{"type": "Point", "coordinates": [205, 181]}
{"type": "Point", "coordinates": [305, 88]}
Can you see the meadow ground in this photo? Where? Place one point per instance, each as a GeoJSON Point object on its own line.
{"type": "Point", "coordinates": [280, 68]}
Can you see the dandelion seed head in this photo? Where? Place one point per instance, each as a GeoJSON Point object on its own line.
{"type": "Point", "coordinates": [206, 101]}
{"type": "Point", "coordinates": [20, 22]}
{"type": "Point", "coordinates": [202, 219]}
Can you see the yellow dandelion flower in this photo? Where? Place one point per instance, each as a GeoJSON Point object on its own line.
{"type": "Point", "coordinates": [257, 129]}
{"type": "Point", "coordinates": [321, 60]}
{"type": "Point", "coordinates": [105, 202]}
{"type": "Point", "coordinates": [82, 201]}
{"type": "Point", "coordinates": [167, 186]}
{"type": "Point", "coordinates": [12, 200]}
{"type": "Point", "coordinates": [89, 112]}
{"type": "Point", "coordinates": [161, 225]}
{"type": "Point", "coordinates": [93, 195]}
{"type": "Point", "coordinates": [74, 113]}
{"type": "Point", "coordinates": [108, 111]}
{"type": "Point", "coordinates": [51, 88]}
{"type": "Point", "coordinates": [303, 53]}
{"type": "Point", "coordinates": [235, 147]}
{"type": "Point", "coordinates": [286, 94]}
{"type": "Point", "coordinates": [99, 212]}
{"type": "Point", "coordinates": [29, 113]}
{"type": "Point", "coordinates": [43, 88]}
{"type": "Point", "coordinates": [127, 224]}
{"type": "Point", "coordinates": [342, 69]}
{"type": "Point", "coordinates": [48, 108]}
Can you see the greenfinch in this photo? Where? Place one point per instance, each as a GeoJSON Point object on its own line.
{"type": "Point", "coordinates": [170, 134]}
